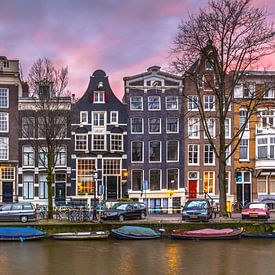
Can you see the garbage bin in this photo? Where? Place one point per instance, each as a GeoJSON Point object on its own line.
{"type": "Point", "coordinates": [229, 206]}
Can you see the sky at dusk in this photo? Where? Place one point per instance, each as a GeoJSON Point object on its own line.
{"type": "Point", "coordinates": [121, 37]}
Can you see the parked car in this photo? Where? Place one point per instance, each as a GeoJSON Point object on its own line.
{"type": "Point", "coordinates": [256, 210]}
{"type": "Point", "coordinates": [18, 212]}
{"type": "Point", "coordinates": [197, 210]}
{"type": "Point", "coordinates": [123, 211]}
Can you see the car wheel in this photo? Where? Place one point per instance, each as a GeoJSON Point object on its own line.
{"type": "Point", "coordinates": [24, 219]}
{"type": "Point", "coordinates": [142, 215]}
{"type": "Point", "coordinates": [121, 218]}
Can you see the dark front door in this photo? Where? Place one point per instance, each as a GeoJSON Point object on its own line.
{"type": "Point", "coordinates": [60, 194]}
{"type": "Point", "coordinates": [244, 193]}
{"type": "Point", "coordinates": [192, 189]}
{"type": "Point", "coordinates": [7, 192]}
{"type": "Point", "coordinates": [112, 188]}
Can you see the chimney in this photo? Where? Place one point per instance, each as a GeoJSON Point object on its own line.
{"type": "Point", "coordinates": [25, 89]}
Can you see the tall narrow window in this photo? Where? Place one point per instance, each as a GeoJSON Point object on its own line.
{"type": "Point", "coordinates": [4, 98]}
{"type": "Point", "coordinates": [208, 182]}
{"type": "Point", "coordinates": [4, 122]}
{"type": "Point", "coordinates": [28, 156]}
{"type": "Point", "coordinates": [28, 187]}
{"type": "Point", "coordinates": [154, 125]}
{"type": "Point", "coordinates": [193, 154]}
{"type": "Point", "coordinates": [209, 102]}
{"type": "Point", "coordinates": [193, 127]}
{"type": "Point", "coordinates": [99, 119]}
{"type": "Point", "coordinates": [173, 179]}
{"type": "Point", "coordinates": [137, 178]}
{"type": "Point", "coordinates": [244, 119]}
{"type": "Point", "coordinates": [244, 149]}
{"type": "Point", "coordinates": [154, 179]}
{"type": "Point", "coordinates": [137, 151]}
{"type": "Point", "coordinates": [154, 151]}
{"type": "Point", "coordinates": [61, 157]}
{"type": "Point", "coordinates": [83, 117]}
{"type": "Point", "coordinates": [172, 150]}
{"type": "Point", "coordinates": [4, 147]}
{"type": "Point", "coordinates": [208, 154]}
{"type": "Point", "coordinates": [193, 103]}
{"type": "Point", "coordinates": [137, 125]}
{"type": "Point", "coordinates": [172, 125]}
{"type": "Point", "coordinates": [43, 186]}
{"type": "Point", "coordinates": [28, 127]}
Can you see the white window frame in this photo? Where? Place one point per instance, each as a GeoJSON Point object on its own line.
{"type": "Point", "coordinates": [141, 102]}
{"type": "Point", "coordinates": [167, 174]}
{"type": "Point", "coordinates": [112, 145]}
{"type": "Point", "coordinates": [166, 103]}
{"type": "Point", "coordinates": [142, 125]}
{"type": "Point", "coordinates": [28, 182]}
{"type": "Point", "coordinates": [142, 159]}
{"type": "Point", "coordinates": [4, 145]}
{"type": "Point", "coordinates": [193, 122]}
{"type": "Point", "coordinates": [238, 91]}
{"type": "Point", "coordinates": [93, 142]}
{"type": "Point", "coordinates": [213, 131]}
{"type": "Point", "coordinates": [160, 179]}
{"type": "Point", "coordinates": [176, 160]}
{"type": "Point", "coordinates": [5, 122]}
{"type": "Point", "coordinates": [142, 179]}
{"type": "Point", "coordinates": [208, 152]}
{"type": "Point", "coordinates": [32, 162]}
{"type": "Point", "coordinates": [4, 90]}
{"type": "Point", "coordinates": [241, 111]}
{"type": "Point", "coordinates": [214, 181]}
{"type": "Point", "coordinates": [80, 117]}
{"type": "Point", "coordinates": [99, 97]}
{"type": "Point", "coordinates": [99, 113]}
{"type": "Point", "coordinates": [229, 127]}
{"type": "Point", "coordinates": [159, 103]}
{"type": "Point", "coordinates": [43, 186]}
{"type": "Point", "coordinates": [244, 159]}
{"type": "Point", "coordinates": [86, 137]}
{"type": "Point", "coordinates": [160, 151]}
{"type": "Point", "coordinates": [192, 104]}
{"type": "Point", "coordinates": [193, 152]}
{"type": "Point", "coordinates": [115, 114]}
{"type": "Point", "coordinates": [207, 102]}
{"type": "Point", "coordinates": [227, 152]}
{"type": "Point", "coordinates": [60, 156]}
{"type": "Point", "coordinates": [150, 124]}
{"type": "Point", "coordinates": [229, 182]}
{"type": "Point", "coordinates": [171, 132]}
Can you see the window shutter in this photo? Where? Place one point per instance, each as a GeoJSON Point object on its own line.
{"type": "Point", "coordinates": [91, 96]}
{"type": "Point", "coordinates": [106, 95]}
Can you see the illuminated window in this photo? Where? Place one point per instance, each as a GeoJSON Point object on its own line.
{"type": "Point", "coordinates": [85, 176]}
{"type": "Point", "coordinates": [208, 182]}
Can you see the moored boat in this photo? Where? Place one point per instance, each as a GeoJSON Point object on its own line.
{"type": "Point", "coordinates": [128, 232]}
{"type": "Point", "coordinates": [259, 235]}
{"type": "Point", "coordinates": [81, 235]}
{"type": "Point", "coordinates": [20, 234]}
{"type": "Point", "coordinates": [207, 234]}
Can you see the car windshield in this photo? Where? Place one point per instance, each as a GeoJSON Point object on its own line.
{"type": "Point", "coordinates": [196, 204]}
{"type": "Point", "coordinates": [257, 206]}
{"type": "Point", "coordinates": [119, 206]}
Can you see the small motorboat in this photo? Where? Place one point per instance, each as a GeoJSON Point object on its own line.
{"type": "Point", "coordinates": [128, 232]}
{"type": "Point", "coordinates": [20, 234]}
{"type": "Point", "coordinates": [81, 235]}
{"type": "Point", "coordinates": [207, 234]}
{"type": "Point", "coordinates": [259, 235]}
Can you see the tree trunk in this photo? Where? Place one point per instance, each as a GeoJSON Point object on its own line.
{"type": "Point", "coordinates": [50, 189]}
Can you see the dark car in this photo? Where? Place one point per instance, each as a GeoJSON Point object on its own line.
{"type": "Point", "coordinates": [18, 212]}
{"type": "Point", "coordinates": [125, 211]}
{"type": "Point", "coordinates": [197, 210]}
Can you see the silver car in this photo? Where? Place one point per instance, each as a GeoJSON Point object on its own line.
{"type": "Point", "coordinates": [18, 212]}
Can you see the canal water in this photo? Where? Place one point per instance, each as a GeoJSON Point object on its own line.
{"type": "Point", "coordinates": [111, 257]}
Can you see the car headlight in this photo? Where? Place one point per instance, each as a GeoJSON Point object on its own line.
{"type": "Point", "coordinates": [184, 212]}
{"type": "Point", "coordinates": [204, 212]}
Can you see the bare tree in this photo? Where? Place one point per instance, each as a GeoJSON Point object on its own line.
{"type": "Point", "coordinates": [47, 106]}
{"type": "Point", "coordinates": [231, 36]}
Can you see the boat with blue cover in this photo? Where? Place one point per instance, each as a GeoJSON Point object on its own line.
{"type": "Point", "coordinates": [128, 232]}
{"type": "Point", "coordinates": [259, 235]}
{"type": "Point", "coordinates": [20, 234]}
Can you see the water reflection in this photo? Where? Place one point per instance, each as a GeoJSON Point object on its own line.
{"type": "Point", "coordinates": [138, 257]}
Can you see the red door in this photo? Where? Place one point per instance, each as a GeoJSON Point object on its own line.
{"type": "Point", "coordinates": [192, 189]}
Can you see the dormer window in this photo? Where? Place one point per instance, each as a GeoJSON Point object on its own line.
{"type": "Point", "coordinates": [208, 65]}
{"type": "Point", "coordinates": [99, 97]}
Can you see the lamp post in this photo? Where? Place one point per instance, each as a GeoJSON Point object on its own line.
{"type": "Point", "coordinates": [94, 178]}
